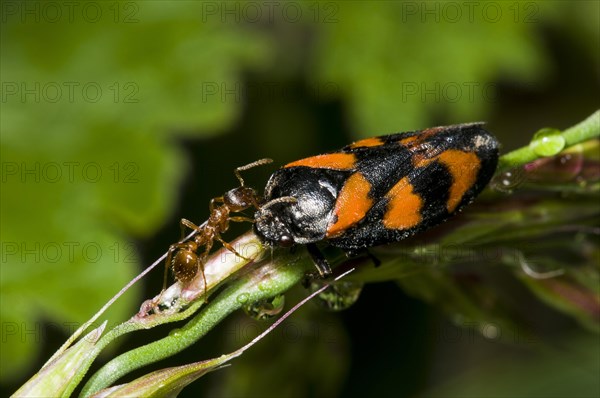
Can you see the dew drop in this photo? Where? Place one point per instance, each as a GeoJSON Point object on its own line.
{"type": "Point", "coordinates": [547, 142]}
{"type": "Point", "coordinates": [265, 309]}
{"type": "Point", "coordinates": [509, 180]}
{"type": "Point", "coordinates": [243, 298]}
{"type": "Point", "coordinates": [338, 296]}
{"type": "Point", "coordinates": [490, 331]}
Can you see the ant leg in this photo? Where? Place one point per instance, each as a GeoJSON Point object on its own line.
{"type": "Point", "coordinates": [207, 246]}
{"type": "Point", "coordinates": [200, 264]}
{"type": "Point", "coordinates": [255, 200]}
{"type": "Point", "coordinates": [168, 261]}
{"type": "Point", "coordinates": [249, 166]}
{"type": "Point", "coordinates": [228, 246]}
{"type": "Point", "coordinates": [241, 219]}
{"type": "Point", "coordinates": [187, 223]}
{"type": "Point", "coordinates": [213, 202]}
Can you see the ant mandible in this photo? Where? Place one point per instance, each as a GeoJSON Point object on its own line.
{"type": "Point", "coordinates": [184, 258]}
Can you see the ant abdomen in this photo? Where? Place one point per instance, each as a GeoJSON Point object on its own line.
{"type": "Point", "coordinates": [184, 264]}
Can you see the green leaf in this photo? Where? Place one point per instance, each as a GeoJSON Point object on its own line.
{"type": "Point", "coordinates": [54, 378]}
{"type": "Point", "coordinates": [89, 110]}
{"type": "Point", "coordinates": [419, 59]}
{"type": "Point", "coordinates": [165, 382]}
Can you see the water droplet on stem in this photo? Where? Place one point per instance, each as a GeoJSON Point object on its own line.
{"type": "Point", "coordinates": [265, 309]}
{"type": "Point", "coordinates": [547, 142]}
{"type": "Point", "coordinates": [338, 296]}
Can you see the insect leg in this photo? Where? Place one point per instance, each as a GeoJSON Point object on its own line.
{"type": "Point", "coordinates": [213, 202]}
{"type": "Point", "coordinates": [319, 260]}
{"type": "Point", "coordinates": [366, 252]}
{"type": "Point", "coordinates": [376, 261]}
{"type": "Point", "coordinates": [187, 223]}
{"type": "Point", "coordinates": [228, 246]}
{"type": "Point", "coordinates": [200, 264]}
{"type": "Point", "coordinates": [241, 219]}
{"type": "Point", "coordinates": [172, 249]}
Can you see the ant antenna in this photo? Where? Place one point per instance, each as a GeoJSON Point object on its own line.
{"type": "Point", "coordinates": [249, 166]}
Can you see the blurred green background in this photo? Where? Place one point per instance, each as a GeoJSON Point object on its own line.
{"type": "Point", "coordinates": [120, 118]}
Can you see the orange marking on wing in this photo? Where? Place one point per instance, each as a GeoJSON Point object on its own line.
{"type": "Point", "coordinates": [404, 208]}
{"type": "Point", "coordinates": [352, 204]}
{"type": "Point", "coordinates": [432, 131]}
{"type": "Point", "coordinates": [464, 167]}
{"type": "Point", "coordinates": [421, 137]}
{"type": "Point", "coordinates": [408, 141]}
{"type": "Point", "coordinates": [337, 161]}
{"type": "Point", "coordinates": [368, 142]}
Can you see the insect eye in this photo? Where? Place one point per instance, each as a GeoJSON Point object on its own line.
{"type": "Point", "coordinates": [286, 241]}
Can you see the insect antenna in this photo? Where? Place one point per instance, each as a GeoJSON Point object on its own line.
{"type": "Point", "coordinates": [259, 162]}
{"type": "Point", "coordinates": [283, 199]}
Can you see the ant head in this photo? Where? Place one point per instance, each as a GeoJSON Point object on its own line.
{"type": "Point", "coordinates": [240, 198]}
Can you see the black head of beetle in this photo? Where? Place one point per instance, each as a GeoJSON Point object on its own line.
{"type": "Point", "coordinates": [299, 206]}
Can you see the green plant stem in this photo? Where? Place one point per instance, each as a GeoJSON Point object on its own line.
{"type": "Point", "coordinates": [587, 129]}
{"type": "Point", "coordinates": [221, 265]}
{"type": "Point", "coordinates": [266, 281]}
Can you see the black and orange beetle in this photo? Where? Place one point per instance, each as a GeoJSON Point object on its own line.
{"type": "Point", "coordinates": [376, 191]}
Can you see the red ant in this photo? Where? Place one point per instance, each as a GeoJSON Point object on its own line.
{"type": "Point", "coordinates": [183, 258]}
